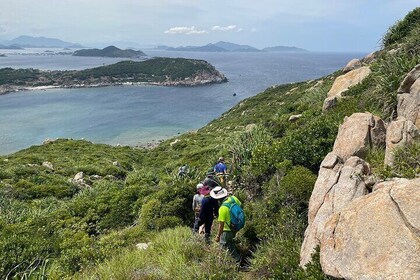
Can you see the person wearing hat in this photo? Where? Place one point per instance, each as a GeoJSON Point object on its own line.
{"type": "Point", "coordinates": [224, 234]}
{"type": "Point", "coordinates": [209, 209]}
{"type": "Point", "coordinates": [196, 204]}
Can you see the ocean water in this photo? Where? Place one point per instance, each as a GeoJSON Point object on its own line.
{"type": "Point", "coordinates": [134, 115]}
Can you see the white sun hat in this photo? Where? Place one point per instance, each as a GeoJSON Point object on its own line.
{"type": "Point", "coordinates": [219, 193]}
{"type": "Point", "coordinates": [199, 186]}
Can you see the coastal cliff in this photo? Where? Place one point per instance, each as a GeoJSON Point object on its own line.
{"type": "Point", "coordinates": [156, 71]}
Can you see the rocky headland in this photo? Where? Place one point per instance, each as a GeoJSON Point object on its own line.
{"type": "Point", "coordinates": [110, 51]}
{"type": "Point", "coordinates": [156, 71]}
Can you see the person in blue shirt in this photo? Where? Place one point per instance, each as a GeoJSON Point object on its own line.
{"type": "Point", "coordinates": [220, 170]}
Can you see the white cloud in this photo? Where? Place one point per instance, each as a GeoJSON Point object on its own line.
{"type": "Point", "coordinates": [239, 30]}
{"type": "Point", "coordinates": [224, 28]}
{"type": "Point", "coordinates": [184, 30]}
{"type": "Point", "coordinates": [253, 29]}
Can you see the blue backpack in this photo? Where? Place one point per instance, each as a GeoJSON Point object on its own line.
{"type": "Point", "coordinates": [237, 215]}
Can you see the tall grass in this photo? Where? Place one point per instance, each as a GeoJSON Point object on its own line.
{"type": "Point", "coordinates": [173, 254]}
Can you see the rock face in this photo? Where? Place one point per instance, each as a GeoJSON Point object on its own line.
{"type": "Point", "coordinates": [357, 134]}
{"type": "Point", "coordinates": [369, 58]}
{"type": "Point", "coordinates": [352, 64]}
{"type": "Point", "coordinates": [344, 82]}
{"type": "Point", "coordinates": [337, 185]}
{"type": "Point", "coordinates": [399, 133]}
{"type": "Point", "coordinates": [409, 97]}
{"type": "Point", "coordinates": [376, 236]}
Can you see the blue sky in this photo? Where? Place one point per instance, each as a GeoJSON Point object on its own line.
{"type": "Point", "coordinates": [318, 25]}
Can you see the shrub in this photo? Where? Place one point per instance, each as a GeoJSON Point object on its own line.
{"type": "Point", "coordinates": [400, 30]}
{"type": "Point", "coordinates": [174, 254]}
{"type": "Point", "coordinates": [407, 161]}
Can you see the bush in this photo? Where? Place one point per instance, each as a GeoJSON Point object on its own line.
{"type": "Point", "coordinates": [407, 161]}
{"type": "Point", "coordinates": [173, 254]}
{"type": "Point", "coordinates": [400, 30]}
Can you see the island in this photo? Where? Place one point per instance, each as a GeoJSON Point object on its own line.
{"type": "Point", "coordinates": [156, 71]}
{"type": "Point", "coordinates": [110, 51]}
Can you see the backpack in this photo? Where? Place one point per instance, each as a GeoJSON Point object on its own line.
{"type": "Point", "coordinates": [237, 215]}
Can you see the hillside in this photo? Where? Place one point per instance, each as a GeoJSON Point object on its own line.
{"type": "Point", "coordinates": [58, 222]}
{"type": "Point", "coordinates": [110, 51]}
{"type": "Point", "coordinates": [41, 42]}
{"type": "Point", "coordinates": [156, 71]}
{"type": "Point", "coordinates": [283, 49]}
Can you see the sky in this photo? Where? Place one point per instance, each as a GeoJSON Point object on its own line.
{"type": "Point", "coordinates": [316, 25]}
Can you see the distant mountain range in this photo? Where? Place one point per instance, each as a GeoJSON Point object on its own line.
{"type": "Point", "coordinates": [110, 51]}
{"type": "Point", "coordinates": [230, 47]}
{"type": "Point", "coordinates": [38, 42]}
{"type": "Point", "coordinates": [43, 42]}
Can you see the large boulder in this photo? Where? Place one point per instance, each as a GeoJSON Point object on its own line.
{"type": "Point", "coordinates": [376, 236]}
{"type": "Point", "coordinates": [358, 134]}
{"type": "Point", "coordinates": [400, 132]}
{"type": "Point", "coordinates": [409, 97]}
{"type": "Point", "coordinates": [409, 80]}
{"type": "Point", "coordinates": [352, 64]}
{"type": "Point", "coordinates": [337, 185]}
{"type": "Point", "coordinates": [369, 58]}
{"type": "Point", "coordinates": [344, 82]}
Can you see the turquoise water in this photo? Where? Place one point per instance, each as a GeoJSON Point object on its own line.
{"type": "Point", "coordinates": [133, 115]}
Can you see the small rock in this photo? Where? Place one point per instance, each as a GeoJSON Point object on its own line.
{"type": "Point", "coordinates": [48, 165]}
{"type": "Point", "coordinates": [95, 177]}
{"type": "Point", "coordinates": [110, 177]}
{"type": "Point", "coordinates": [79, 176]}
{"type": "Point", "coordinates": [294, 118]}
{"type": "Point", "coordinates": [369, 58]}
{"type": "Point", "coordinates": [250, 127]}
{"type": "Point", "coordinates": [142, 246]}
{"type": "Point", "coordinates": [352, 64]}
{"type": "Point", "coordinates": [116, 163]}
{"type": "Point", "coordinates": [174, 142]}
{"type": "Point", "coordinates": [329, 103]}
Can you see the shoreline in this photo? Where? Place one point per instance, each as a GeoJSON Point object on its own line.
{"type": "Point", "coordinates": [9, 89]}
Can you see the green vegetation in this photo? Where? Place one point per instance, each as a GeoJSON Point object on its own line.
{"type": "Point", "coordinates": [168, 71]}
{"type": "Point", "coordinates": [54, 228]}
{"type": "Point", "coordinates": [110, 51]}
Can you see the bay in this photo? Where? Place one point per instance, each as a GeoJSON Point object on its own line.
{"type": "Point", "coordinates": [135, 115]}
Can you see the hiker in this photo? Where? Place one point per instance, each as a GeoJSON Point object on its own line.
{"type": "Point", "coordinates": [210, 181]}
{"type": "Point", "coordinates": [221, 170]}
{"type": "Point", "coordinates": [196, 204]}
{"type": "Point", "coordinates": [227, 230]}
{"type": "Point", "coordinates": [182, 171]}
{"type": "Point", "coordinates": [209, 210]}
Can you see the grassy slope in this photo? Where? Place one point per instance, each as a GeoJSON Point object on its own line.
{"type": "Point", "coordinates": [48, 223]}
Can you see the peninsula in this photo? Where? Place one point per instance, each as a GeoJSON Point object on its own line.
{"type": "Point", "coordinates": [157, 71]}
{"type": "Point", "coordinates": [110, 51]}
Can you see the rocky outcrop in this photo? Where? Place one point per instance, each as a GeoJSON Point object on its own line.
{"type": "Point", "coordinates": [369, 58]}
{"type": "Point", "coordinates": [400, 132]}
{"type": "Point", "coordinates": [376, 236]}
{"type": "Point", "coordinates": [357, 134]}
{"type": "Point", "coordinates": [409, 97]}
{"type": "Point", "coordinates": [344, 82]}
{"type": "Point", "coordinates": [409, 80]}
{"type": "Point", "coordinates": [337, 185]}
{"type": "Point", "coordinates": [352, 64]}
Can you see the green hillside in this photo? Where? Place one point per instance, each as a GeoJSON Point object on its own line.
{"type": "Point", "coordinates": [53, 227]}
